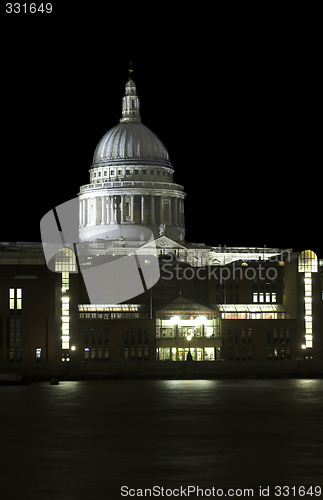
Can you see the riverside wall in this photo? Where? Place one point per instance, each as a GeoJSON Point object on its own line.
{"type": "Point", "coordinates": [165, 370]}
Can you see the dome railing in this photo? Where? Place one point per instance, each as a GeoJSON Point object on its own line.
{"type": "Point", "coordinates": [118, 184]}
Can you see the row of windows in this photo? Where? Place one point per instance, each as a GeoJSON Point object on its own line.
{"type": "Point", "coordinates": [239, 335]}
{"type": "Point", "coordinates": [96, 353]}
{"type": "Point", "coordinates": [93, 336]}
{"type": "Point", "coordinates": [283, 338]}
{"type": "Point", "coordinates": [263, 284]}
{"type": "Point", "coordinates": [138, 353]}
{"type": "Point", "coordinates": [275, 336]}
{"type": "Point", "coordinates": [15, 354]}
{"type": "Point", "coordinates": [100, 336]}
{"type": "Point", "coordinates": [114, 173]}
{"type": "Point", "coordinates": [268, 297]}
{"type": "Point", "coordinates": [136, 336]}
{"type": "Point", "coordinates": [278, 353]}
{"type": "Point", "coordinates": [258, 283]}
{"type": "Point", "coordinates": [112, 315]}
{"type": "Point", "coordinates": [240, 354]}
{"type": "Point", "coordinates": [180, 354]}
{"type": "Point", "coordinates": [252, 315]}
{"type": "Point", "coordinates": [246, 353]}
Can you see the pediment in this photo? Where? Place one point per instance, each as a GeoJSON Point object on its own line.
{"type": "Point", "coordinates": [164, 242]}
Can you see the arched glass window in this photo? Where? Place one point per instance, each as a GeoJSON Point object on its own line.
{"type": "Point", "coordinates": [65, 261]}
{"type": "Point", "coordinates": [307, 262]}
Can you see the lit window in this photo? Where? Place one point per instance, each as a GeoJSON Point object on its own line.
{"type": "Point", "coordinates": [19, 298]}
{"type": "Point", "coordinates": [11, 298]}
{"type": "Point", "coordinates": [65, 261]}
{"type": "Point", "coordinates": [307, 262]}
{"type": "Point", "coordinates": [15, 298]}
{"type": "Point", "coordinates": [65, 282]}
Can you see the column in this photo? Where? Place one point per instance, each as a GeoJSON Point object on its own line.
{"type": "Point", "coordinates": [88, 211]}
{"type": "Point", "coordinates": [175, 211]}
{"type": "Point", "coordinates": [80, 213]}
{"type": "Point", "coordinates": [95, 221]}
{"type": "Point", "coordinates": [111, 210]}
{"type": "Point", "coordinates": [142, 209]}
{"type": "Point", "coordinates": [161, 209]}
{"type": "Point", "coordinates": [121, 209]}
{"type": "Point", "coordinates": [102, 210]}
{"type": "Point", "coordinates": [181, 212]}
{"type": "Point", "coordinates": [169, 210]}
{"type": "Point", "coordinates": [132, 200]}
{"type": "Point", "coordinates": [153, 220]}
{"type": "Point", "coordinates": [115, 209]}
{"type": "Point", "coordinates": [83, 212]}
{"type": "Point", "coordinates": [107, 205]}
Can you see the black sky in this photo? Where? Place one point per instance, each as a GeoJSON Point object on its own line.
{"type": "Point", "coordinates": [236, 104]}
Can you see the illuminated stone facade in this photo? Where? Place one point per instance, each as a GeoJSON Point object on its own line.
{"type": "Point", "coordinates": [131, 181]}
{"type": "Point", "coordinates": [210, 303]}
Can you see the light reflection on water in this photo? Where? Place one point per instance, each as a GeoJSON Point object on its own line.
{"type": "Point", "coordinates": [85, 439]}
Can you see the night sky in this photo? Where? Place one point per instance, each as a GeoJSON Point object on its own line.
{"type": "Point", "coordinates": [235, 103]}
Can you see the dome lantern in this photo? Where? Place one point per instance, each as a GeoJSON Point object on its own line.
{"type": "Point", "coordinates": [130, 103]}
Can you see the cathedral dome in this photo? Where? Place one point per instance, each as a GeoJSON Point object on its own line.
{"type": "Point", "coordinates": [130, 142]}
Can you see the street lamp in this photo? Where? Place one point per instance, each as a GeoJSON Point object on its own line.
{"type": "Point", "coordinates": [189, 355]}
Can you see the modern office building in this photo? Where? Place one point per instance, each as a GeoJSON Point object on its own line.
{"type": "Point", "coordinates": [206, 304]}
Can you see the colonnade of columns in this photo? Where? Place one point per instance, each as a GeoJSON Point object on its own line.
{"type": "Point", "coordinates": [140, 209]}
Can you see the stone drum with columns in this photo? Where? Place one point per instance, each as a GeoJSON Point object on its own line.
{"type": "Point", "coordinates": [131, 181]}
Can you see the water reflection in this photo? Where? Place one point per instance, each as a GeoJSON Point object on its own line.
{"type": "Point", "coordinates": [85, 439]}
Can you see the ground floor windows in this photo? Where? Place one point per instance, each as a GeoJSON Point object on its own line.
{"type": "Point", "coordinates": [278, 352]}
{"type": "Point", "coordinates": [240, 353]}
{"type": "Point", "coordinates": [15, 354]}
{"type": "Point", "coordinates": [180, 354]}
{"type": "Point", "coordinates": [96, 354]}
{"type": "Point", "coordinates": [278, 343]}
{"type": "Point", "coordinates": [136, 354]}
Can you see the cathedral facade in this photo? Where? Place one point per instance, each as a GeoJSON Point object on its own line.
{"type": "Point", "coordinates": [205, 303]}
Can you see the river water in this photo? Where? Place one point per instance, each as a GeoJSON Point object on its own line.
{"type": "Point", "coordinates": [87, 439]}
